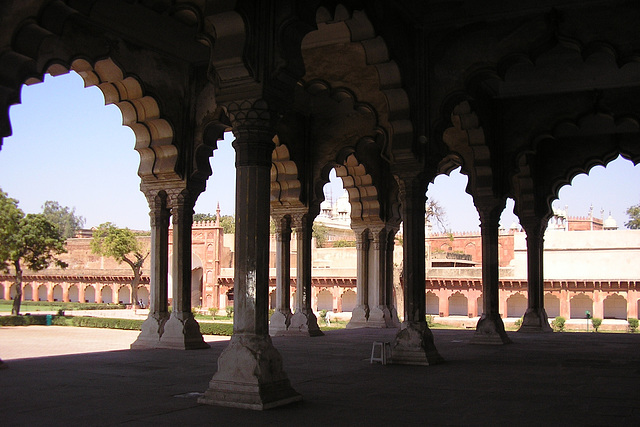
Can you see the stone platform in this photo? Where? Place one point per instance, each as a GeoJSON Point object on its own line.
{"type": "Point", "coordinates": [540, 379]}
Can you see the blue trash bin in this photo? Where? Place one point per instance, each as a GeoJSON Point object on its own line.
{"type": "Point", "coordinates": [49, 319]}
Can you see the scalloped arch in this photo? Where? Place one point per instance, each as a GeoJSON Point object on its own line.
{"type": "Point", "coordinates": [285, 185]}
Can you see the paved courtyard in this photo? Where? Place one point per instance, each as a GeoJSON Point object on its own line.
{"type": "Point", "coordinates": [82, 376]}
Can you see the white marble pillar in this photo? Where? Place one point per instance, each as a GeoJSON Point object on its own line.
{"type": "Point", "coordinates": [535, 318]}
{"type": "Point", "coordinates": [490, 328]}
{"type": "Point", "coordinates": [281, 317]}
{"type": "Point", "coordinates": [181, 331]}
{"type": "Point", "coordinates": [250, 373]}
{"type": "Point", "coordinates": [152, 327]}
{"type": "Point", "coordinates": [360, 313]}
{"type": "Point", "coordinates": [414, 344]}
{"type": "Point", "coordinates": [303, 321]}
{"type": "Point", "coordinates": [379, 315]}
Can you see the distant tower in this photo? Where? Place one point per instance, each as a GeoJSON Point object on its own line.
{"type": "Point", "coordinates": [218, 215]}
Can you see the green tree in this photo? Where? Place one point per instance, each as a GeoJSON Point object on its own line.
{"type": "Point", "coordinates": [31, 241]}
{"type": "Point", "coordinates": [199, 217]}
{"type": "Point", "coordinates": [634, 217]}
{"type": "Point", "coordinates": [319, 232]}
{"type": "Point", "coordinates": [120, 244]}
{"type": "Point", "coordinates": [64, 217]}
{"type": "Point", "coordinates": [228, 224]}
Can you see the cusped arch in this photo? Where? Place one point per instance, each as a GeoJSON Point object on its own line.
{"type": "Point", "coordinates": [363, 195]}
{"type": "Point", "coordinates": [285, 185]}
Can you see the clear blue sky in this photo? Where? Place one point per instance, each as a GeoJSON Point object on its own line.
{"type": "Point", "coordinates": [69, 147]}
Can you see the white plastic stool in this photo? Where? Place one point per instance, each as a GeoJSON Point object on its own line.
{"type": "Point", "coordinates": [384, 347]}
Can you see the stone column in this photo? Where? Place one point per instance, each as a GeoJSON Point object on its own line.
{"type": "Point", "coordinates": [360, 313]}
{"type": "Point", "coordinates": [490, 328]}
{"type": "Point", "coordinates": [153, 326]}
{"type": "Point", "coordinates": [250, 373]}
{"type": "Point", "coordinates": [281, 318]}
{"type": "Point", "coordinates": [535, 318]}
{"type": "Point", "coordinates": [379, 315]}
{"type": "Point", "coordinates": [414, 344]}
{"type": "Point", "coordinates": [393, 321]}
{"type": "Point", "coordinates": [65, 293]}
{"type": "Point", "coordinates": [303, 321]}
{"type": "Point", "coordinates": [181, 331]}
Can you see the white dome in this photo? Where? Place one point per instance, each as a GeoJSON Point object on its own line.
{"type": "Point", "coordinates": [610, 223]}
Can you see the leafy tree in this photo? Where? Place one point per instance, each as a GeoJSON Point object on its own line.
{"type": "Point", "coordinates": [31, 241]}
{"type": "Point", "coordinates": [228, 223]}
{"type": "Point", "coordinates": [64, 217]}
{"type": "Point", "coordinates": [199, 217]}
{"type": "Point", "coordinates": [319, 232]}
{"type": "Point", "coordinates": [634, 217]}
{"type": "Point", "coordinates": [120, 244]}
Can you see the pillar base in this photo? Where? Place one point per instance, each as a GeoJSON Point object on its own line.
{"type": "Point", "coordinates": [304, 322]}
{"type": "Point", "coordinates": [379, 317]}
{"type": "Point", "coordinates": [250, 376]}
{"type": "Point", "coordinates": [535, 320]}
{"type": "Point", "coordinates": [151, 331]}
{"type": "Point", "coordinates": [490, 330]}
{"type": "Point", "coordinates": [279, 322]}
{"type": "Point", "coordinates": [358, 317]}
{"type": "Point", "coordinates": [394, 321]}
{"type": "Point", "coordinates": [182, 332]}
{"type": "Point", "coordinates": [413, 345]}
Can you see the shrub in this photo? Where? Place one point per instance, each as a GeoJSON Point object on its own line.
{"type": "Point", "coordinates": [229, 311]}
{"type": "Point", "coordinates": [429, 319]}
{"type": "Point", "coordinates": [518, 323]}
{"type": "Point", "coordinates": [558, 324]}
{"type": "Point", "coordinates": [225, 329]}
{"type": "Point", "coordinates": [633, 324]}
{"type": "Point", "coordinates": [213, 311]}
{"type": "Point", "coordinates": [596, 322]}
{"type": "Point", "coordinates": [323, 314]}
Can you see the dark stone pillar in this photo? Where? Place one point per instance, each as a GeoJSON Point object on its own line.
{"type": "Point", "coordinates": [182, 330]}
{"type": "Point", "coordinates": [250, 373]}
{"type": "Point", "coordinates": [414, 344]}
{"type": "Point", "coordinates": [535, 318]}
{"type": "Point", "coordinates": [304, 321]}
{"type": "Point", "coordinates": [281, 318]}
{"type": "Point", "coordinates": [153, 326]}
{"type": "Point", "coordinates": [490, 328]}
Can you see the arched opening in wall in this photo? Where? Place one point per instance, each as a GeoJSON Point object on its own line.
{"type": "Point", "coordinates": [106, 295]}
{"type": "Point", "coordinates": [325, 300]}
{"type": "Point", "coordinates": [615, 307]}
{"type": "Point", "coordinates": [196, 287]}
{"type": "Point", "coordinates": [348, 300]}
{"type": "Point", "coordinates": [57, 293]}
{"type": "Point", "coordinates": [42, 293]}
{"type": "Point", "coordinates": [89, 294]}
{"type": "Point", "coordinates": [433, 304]}
{"type": "Point", "coordinates": [579, 305]}
{"type": "Point", "coordinates": [509, 228]}
{"type": "Point", "coordinates": [516, 305]}
{"type": "Point", "coordinates": [452, 228]}
{"type": "Point", "coordinates": [480, 305]}
{"type": "Point", "coordinates": [27, 292]}
{"type": "Point", "coordinates": [332, 226]}
{"type": "Point", "coordinates": [74, 294]}
{"type": "Point", "coordinates": [221, 187]}
{"type": "Point", "coordinates": [143, 295]}
{"type": "Point", "coordinates": [12, 291]}
{"type": "Point", "coordinates": [552, 306]}
{"type": "Point", "coordinates": [272, 300]}
{"type": "Point", "coordinates": [124, 294]}
{"type": "Point", "coordinates": [2, 291]}
{"type": "Point", "coordinates": [458, 305]}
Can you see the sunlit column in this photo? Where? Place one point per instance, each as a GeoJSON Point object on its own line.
{"type": "Point", "coordinates": [360, 313]}
{"type": "Point", "coordinates": [281, 317]}
{"type": "Point", "coordinates": [379, 315]}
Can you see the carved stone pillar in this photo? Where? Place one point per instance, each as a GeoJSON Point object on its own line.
{"type": "Point", "coordinates": [390, 302]}
{"type": "Point", "coordinates": [413, 344]}
{"type": "Point", "coordinates": [281, 317]}
{"type": "Point", "coordinates": [379, 314]}
{"type": "Point", "coordinates": [153, 327]}
{"type": "Point", "coordinates": [490, 328]}
{"type": "Point", "coordinates": [181, 330]}
{"type": "Point", "coordinates": [360, 313]}
{"type": "Point", "coordinates": [303, 321]}
{"type": "Point", "coordinates": [535, 318]}
{"type": "Point", "coordinates": [250, 373]}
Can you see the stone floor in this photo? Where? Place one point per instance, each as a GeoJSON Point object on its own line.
{"type": "Point", "coordinates": [551, 379]}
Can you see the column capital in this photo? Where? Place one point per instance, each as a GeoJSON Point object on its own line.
{"type": "Point", "coordinates": [490, 210]}
{"type": "Point", "coordinates": [534, 227]}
